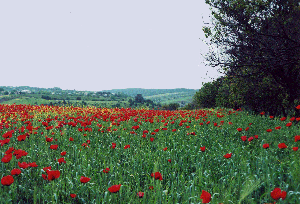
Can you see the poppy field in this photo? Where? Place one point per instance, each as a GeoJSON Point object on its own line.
{"type": "Point", "coordinates": [52, 154]}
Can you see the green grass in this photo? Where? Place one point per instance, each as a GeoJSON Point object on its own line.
{"type": "Point", "coordinates": [247, 177]}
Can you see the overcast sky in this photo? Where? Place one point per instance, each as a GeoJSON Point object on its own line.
{"type": "Point", "coordinates": [97, 45]}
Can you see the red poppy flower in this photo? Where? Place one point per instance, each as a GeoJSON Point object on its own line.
{"type": "Point", "coordinates": [61, 160]}
{"type": "Point", "coordinates": [297, 138]}
{"type": "Point", "coordinates": [244, 138]}
{"type": "Point", "coordinates": [54, 147]}
{"type": "Point", "coordinates": [88, 141]}
{"type": "Point", "coordinates": [7, 158]}
{"type": "Point", "coordinates": [292, 119]}
{"type": "Point", "coordinates": [144, 136]}
{"type": "Point", "coordinates": [21, 137]}
{"type": "Point", "coordinates": [277, 128]}
{"type": "Point", "coordinates": [53, 174]}
{"type": "Point", "coordinates": [174, 130]}
{"type": "Point", "coordinates": [71, 139]}
{"type": "Point", "coordinates": [84, 179]}
{"type": "Point", "coordinates": [271, 117]}
{"type": "Point", "coordinates": [288, 124]}
{"type": "Point", "coordinates": [239, 129]}
{"type": "Point", "coordinates": [247, 128]}
{"type": "Point", "coordinates": [276, 194]}
{"type": "Point", "coordinates": [283, 119]}
{"type": "Point", "coordinates": [72, 195]}
{"type": "Point", "coordinates": [298, 107]}
{"type": "Point", "coordinates": [202, 149]}
{"type": "Point", "coordinates": [140, 194]}
{"type": "Point", "coordinates": [15, 172]}
{"type": "Point", "coordinates": [106, 170]}
{"type": "Point", "coordinates": [49, 139]}
{"type": "Point", "coordinates": [127, 146]}
{"type": "Point", "coordinates": [23, 165]}
{"type": "Point", "coordinates": [10, 150]}
{"type": "Point", "coordinates": [266, 146]}
{"type": "Point", "coordinates": [113, 145]}
{"type": "Point", "coordinates": [295, 148]}
{"type": "Point", "coordinates": [169, 160]}
{"type": "Point", "coordinates": [206, 196]}
{"type": "Point", "coordinates": [256, 136]}
{"type": "Point", "coordinates": [7, 180]}
{"type": "Point", "coordinates": [151, 187]}
{"type": "Point", "coordinates": [262, 113]}
{"type": "Point", "coordinates": [157, 175]}
{"type": "Point", "coordinates": [250, 139]}
{"type": "Point", "coordinates": [165, 149]}
{"type": "Point", "coordinates": [19, 153]}
{"type": "Point", "coordinates": [151, 139]}
{"type": "Point", "coordinates": [114, 188]}
{"type": "Point", "coordinates": [227, 156]}
{"type": "Point", "coordinates": [63, 153]}
{"type": "Point", "coordinates": [269, 130]}
{"type": "Point", "coordinates": [33, 164]}
{"type": "Point", "coordinates": [282, 146]}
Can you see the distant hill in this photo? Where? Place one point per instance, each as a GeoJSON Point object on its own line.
{"type": "Point", "coordinates": [150, 92]}
{"type": "Point", "coordinates": [163, 96]}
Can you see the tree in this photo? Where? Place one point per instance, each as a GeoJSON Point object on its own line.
{"type": "Point", "coordinates": [258, 38]}
{"type": "Point", "coordinates": [139, 98]}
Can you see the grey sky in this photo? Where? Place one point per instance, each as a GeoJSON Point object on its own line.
{"type": "Point", "coordinates": [97, 45]}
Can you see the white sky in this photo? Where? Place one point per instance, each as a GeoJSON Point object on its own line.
{"type": "Point", "coordinates": [97, 45]}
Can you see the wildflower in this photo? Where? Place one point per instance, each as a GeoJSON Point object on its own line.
{"type": "Point", "coordinates": [239, 129]}
{"type": "Point", "coordinates": [84, 179]}
{"type": "Point", "coordinates": [295, 148]}
{"type": "Point", "coordinates": [165, 149]}
{"type": "Point", "coordinates": [151, 187]}
{"type": "Point", "coordinates": [282, 146]}
{"type": "Point", "coordinates": [256, 136]}
{"type": "Point", "coordinates": [277, 128]}
{"type": "Point", "coordinates": [266, 146]}
{"type": "Point", "coordinates": [250, 139]}
{"type": "Point", "coordinates": [151, 139]}
{"type": "Point", "coordinates": [205, 196]}
{"type": "Point", "coordinates": [269, 130]}
{"type": "Point", "coordinates": [7, 158]}
{"type": "Point", "coordinates": [23, 165]}
{"type": "Point", "coordinates": [288, 124]}
{"type": "Point", "coordinates": [202, 149]}
{"type": "Point", "coordinates": [227, 156]}
{"type": "Point", "coordinates": [71, 139]}
{"type": "Point", "coordinates": [140, 194]}
{"type": "Point", "coordinates": [114, 188]}
{"type": "Point", "coordinates": [247, 128]}
{"type": "Point", "coordinates": [63, 153]}
{"type": "Point", "coordinates": [7, 180]}
{"type": "Point", "coordinates": [15, 172]}
{"type": "Point", "coordinates": [54, 147]}
{"type": "Point", "coordinates": [283, 119]}
{"type": "Point", "coordinates": [276, 194]}
{"type": "Point", "coordinates": [72, 195]}
{"type": "Point", "coordinates": [61, 160]}
{"type": "Point", "coordinates": [106, 170]}
{"type": "Point", "coordinates": [127, 146]}
{"type": "Point", "coordinates": [157, 175]}
{"type": "Point", "coordinates": [244, 138]}
{"type": "Point", "coordinates": [21, 137]}
{"type": "Point", "coordinates": [297, 138]}
{"type": "Point", "coordinates": [113, 145]}
{"type": "Point", "coordinates": [169, 160]}
{"type": "Point", "coordinates": [52, 174]}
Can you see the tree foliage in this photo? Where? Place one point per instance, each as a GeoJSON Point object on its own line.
{"type": "Point", "coordinates": [258, 49]}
